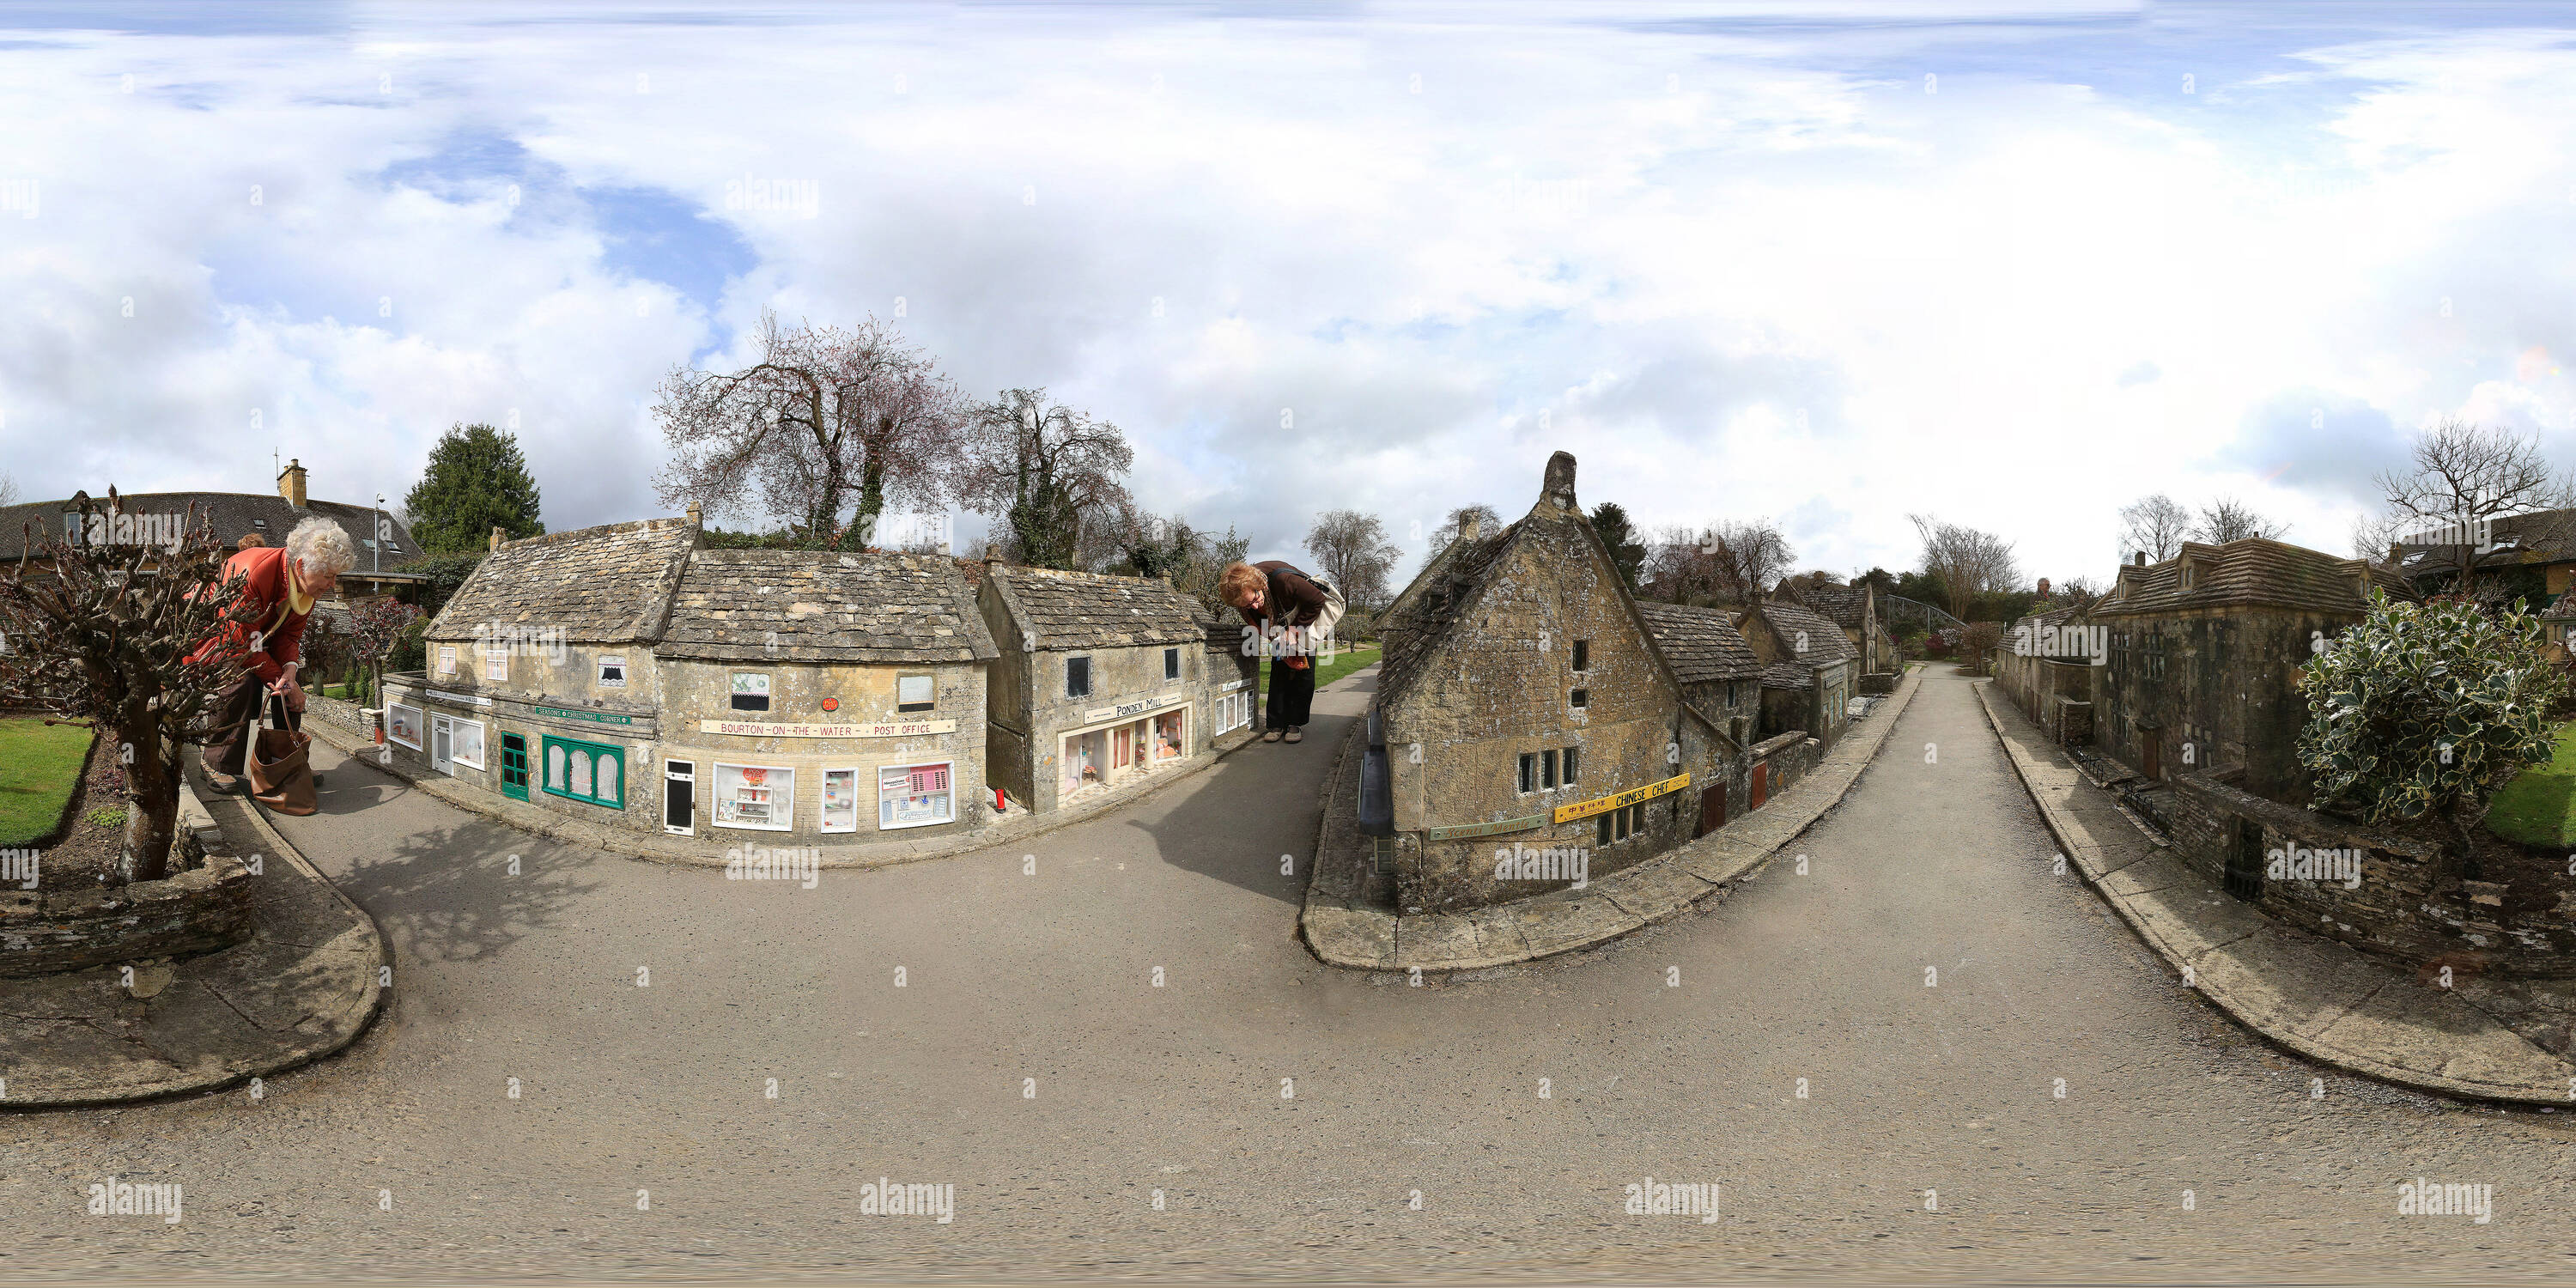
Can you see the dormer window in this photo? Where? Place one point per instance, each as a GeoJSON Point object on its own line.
{"type": "Point", "coordinates": [2186, 576]}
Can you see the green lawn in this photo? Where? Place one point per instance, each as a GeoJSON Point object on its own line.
{"type": "Point", "coordinates": [2539, 806]}
{"type": "Point", "coordinates": [40, 767]}
{"type": "Point", "coordinates": [1344, 663]}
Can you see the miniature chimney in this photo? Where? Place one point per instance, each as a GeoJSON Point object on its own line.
{"type": "Point", "coordinates": [499, 537]}
{"type": "Point", "coordinates": [695, 515]}
{"type": "Point", "coordinates": [1560, 480]}
{"type": "Point", "coordinates": [290, 483]}
{"type": "Point", "coordinates": [2142, 559]}
{"type": "Point", "coordinates": [1471, 526]}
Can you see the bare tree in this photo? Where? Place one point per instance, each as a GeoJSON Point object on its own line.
{"type": "Point", "coordinates": [8, 489]}
{"type": "Point", "coordinates": [1487, 523]}
{"type": "Point", "coordinates": [1746, 558]}
{"type": "Point", "coordinates": [1352, 552]}
{"type": "Point", "coordinates": [1968, 561]}
{"type": "Point", "coordinates": [101, 641]}
{"type": "Point", "coordinates": [1188, 557]}
{"type": "Point", "coordinates": [826, 419]}
{"type": "Point", "coordinates": [2465, 478]}
{"type": "Point", "coordinates": [2154, 524]}
{"type": "Point", "coordinates": [1053, 475]}
{"type": "Point", "coordinates": [2228, 519]}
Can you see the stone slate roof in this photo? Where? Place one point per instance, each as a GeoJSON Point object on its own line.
{"type": "Point", "coordinates": [1788, 675]}
{"type": "Point", "coordinates": [233, 514]}
{"type": "Point", "coordinates": [1826, 643]}
{"type": "Point", "coordinates": [1844, 606]}
{"type": "Point", "coordinates": [819, 606]}
{"type": "Point", "coordinates": [1412, 635]}
{"type": "Point", "coordinates": [2251, 572]}
{"type": "Point", "coordinates": [2040, 622]}
{"type": "Point", "coordinates": [1701, 643]}
{"type": "Point", "coordinates": [2541, 537]}
{"type": "Point", "coordinates": [604, 585]}
{"type": "Point", "coordinates": [1077, 610]}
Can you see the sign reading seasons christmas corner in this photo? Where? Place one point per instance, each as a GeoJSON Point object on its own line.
{"type": "Point", "coordinates": [1603, 805]}
{"type": "Point", "coordinates": [595, 717]}
{"type": "Point", "coordinates": [759, 729]}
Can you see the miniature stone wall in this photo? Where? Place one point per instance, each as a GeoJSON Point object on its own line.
{"type": "Point", "coordinates": [196, 911]}
{"type": "Point", "coordinates": [2395, 909]}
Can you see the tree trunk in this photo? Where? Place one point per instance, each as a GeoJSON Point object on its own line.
{"type": "Point", "coordinates": [862, 530]}
{"type": "Point", "coordinates": [151, 806]}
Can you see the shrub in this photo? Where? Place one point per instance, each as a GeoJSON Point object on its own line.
{"type": "Point", "coordinates": [2421, 712]}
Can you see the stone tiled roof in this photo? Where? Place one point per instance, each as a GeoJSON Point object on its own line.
{"type": "Point", "coordinates": [604, 585]}
{"type": "Point", "coordinates": [1844, 606]}
{"type": "Point", "coordinates": [2254, 571]}
{"type": "Point", "coordinates": [1701, 643]}
{"type": "Point", "coordinates": [2543, 536]}
{"type": "Point", "coordinates": [1415, 633]}
{"type": "Point", "coordinates": [2038, 624]}
{"type": "Point", "coordinates": [233, 514]}
{"type": "Point", "coordinates": [1788, 675]}
{"type": "Point", "coordinates": [1075, 610]}
{"type": "Point", "coordinates": [1826, 643]}
{"type": "Point", "coordinates": [821, 606]}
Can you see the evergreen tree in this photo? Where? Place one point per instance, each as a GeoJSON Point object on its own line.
{"type": "Point", "coordinates": [1611, 523]}
{"type": "Point", "coordinates": [477, 480]}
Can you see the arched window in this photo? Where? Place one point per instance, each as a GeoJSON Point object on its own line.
{"type": "Point", "coordinates": [580, 772]}
{"type": "Point", "coordinates": [555, 768]}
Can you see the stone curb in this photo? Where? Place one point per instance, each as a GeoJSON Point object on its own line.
{"type": "Point", "coordinates": [2266, 1002]}
{"type": "Point", "coordinates": [1343, 931]}
{"type": "Point", "coordinates": [528, 818]}
{"type": "Point", "coordinates": [338, 997]}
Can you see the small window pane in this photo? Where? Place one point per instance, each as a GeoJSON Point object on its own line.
{"type": "Point", "coordinates": [1529, 771]}
{"type": "Point", "coordinates": [1569, 765]}
{"type": "Point", "coordinates": [1583, 655]}
{"type": "Point", "coordinates": [1171, 664]}
{"type": "Point", "coordinates": [1547, 769]}
{"type": "Point", "coordinates": [1602, 836]}
{"type": "Point", "coordinates": [580, 772]}
{"type": "Point", "coordinates": [1622, 816]}
{"type": "Point", "coordinates": [913, 693]}
{"type": "Point", "coordinates": [1077, 677]}
{"type": "Point", "coordinates": [1582, 698]}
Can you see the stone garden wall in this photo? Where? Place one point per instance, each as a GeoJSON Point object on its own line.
{"type": "Point", "coordinates": [196, 911]}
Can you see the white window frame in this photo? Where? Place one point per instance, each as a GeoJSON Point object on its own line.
{"type": "Point", "coordinates": [447, 659]}
{"type": "Point", "coordinates": [784, 811]}
{"type": "Point", "coordinates": [607, 660]}
{"type": "Point", "coordinates": [903, 708]}
{"type": "Point", "coordinates": [823, 803]}
{"type": "Point", "coordinates": [880, 772]}
{"type": "Point", "coordinates": [482, 742]}
{"type": "Point", "coordinates": [496, 656]}
{"type": "Point", "coordinates": [419, 726]}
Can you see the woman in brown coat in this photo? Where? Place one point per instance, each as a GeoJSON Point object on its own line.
{"type": "Point", "coordinates": [1287, 614]}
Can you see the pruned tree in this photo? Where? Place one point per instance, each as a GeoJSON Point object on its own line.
{"type": "Point", "coordinates": [1190, 558]}
{"type": "Point", "coordinates": [1732, 562]}
{"type": "Point", "coordinates": [826, 421]}
{"type": "Point", "coordinates": [1979, 642]}
{"type": "Point", "coordinates": [2465, 477]}
{"type": "Point", "coordinates": [98, 640]}
{"type": "Point", "coordinates": [2228, 519]}
{"type": "Point", "coordinates": [1968, 561]}
{"type": "Point", "coordinates": [1351, 550]}
{"type": "Point", "coordinates": [1627, 553]}
{"type": "Point", "coordinates": [376, 627]}
{"type": "Point", "coordinates": [2155, 525]}
{"type": "Point", "coordinates": [1054, 477]}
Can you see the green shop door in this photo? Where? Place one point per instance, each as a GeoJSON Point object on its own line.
{"type": "Point", "coordinates": [514, 766]}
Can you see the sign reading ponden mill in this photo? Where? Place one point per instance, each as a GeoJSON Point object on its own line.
{"type": "Point", "coordinates": [1134, 708]}
{"type": "Point", "coordinates": [758, 729]}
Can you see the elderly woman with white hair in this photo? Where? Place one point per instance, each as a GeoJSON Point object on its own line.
{"type": "Point", "coordinates": [279, 586]}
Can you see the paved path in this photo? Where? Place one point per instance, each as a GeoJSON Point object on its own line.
{"type": "Point", "coordinates": [1928, 864]}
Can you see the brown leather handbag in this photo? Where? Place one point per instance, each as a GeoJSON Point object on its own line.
{"type": "Point", "coordinates": [279, 764]}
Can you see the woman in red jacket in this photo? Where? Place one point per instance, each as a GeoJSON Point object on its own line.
{"type": "Point", "coordinates": [1290, 614]}
{"type": "Point", "coordinates": [280, 587]}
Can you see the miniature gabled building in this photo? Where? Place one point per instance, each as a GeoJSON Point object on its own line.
{"type": "Point", "coordinates": [1102, 680]}
{"type": "Point", "coordinates": [1525, 707]}
{"type": "Point", "coordinates": [1809, 670]}
{"type": "Point", "coordinates": [1855, 610]}
{"type": "Point", "coordinates": [1719, 673]}
{"type": "Point", "coordinates": [2204, 657]}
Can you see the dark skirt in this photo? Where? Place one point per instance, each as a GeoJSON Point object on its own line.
{"type": "Point", "coordinates": [1292, 694]}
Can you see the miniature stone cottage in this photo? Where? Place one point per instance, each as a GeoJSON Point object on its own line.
{"type": "Point", "coordinates": [1524, 701]}
{"type": "Point", "coordinates": [624, 675]}
{"type": "Point", "coordinates": [1809, 671]}
{"type": "Point", "coordinates": [1103, 681]}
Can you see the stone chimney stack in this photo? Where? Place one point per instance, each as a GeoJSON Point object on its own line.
{"type": "Point", "coordinates": [1560, 480]}
{"type": "Point", "coordinates": [499, 537]}
{"type": "Point", "coordinates": [2142, 559]}
{"type": "Point", "coordinates": [695, 516]}
{"type": "Point", "coordinates": [290, 483]}
{"type": "Point", "coordinates": [1471, 527]}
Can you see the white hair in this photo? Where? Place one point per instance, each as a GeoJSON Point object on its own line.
{"type": "Point", "coordinates": [321, 547]}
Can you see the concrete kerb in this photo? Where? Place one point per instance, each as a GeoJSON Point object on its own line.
{"type": "Point", "coordinates": [572, 831]}
{"type": "Point", "coordinates": [318, 997]}
{"type": "Point", "coordinates": [1343, 931]}
{"type": "Point", "coordinates": [2277, 1004]}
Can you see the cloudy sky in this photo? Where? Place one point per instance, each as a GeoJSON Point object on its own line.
{"type": "Point", "coordinates": [2014, 264]}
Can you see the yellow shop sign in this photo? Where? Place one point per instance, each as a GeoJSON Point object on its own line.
{"type": "Point", "coordinates": [1569, 813]}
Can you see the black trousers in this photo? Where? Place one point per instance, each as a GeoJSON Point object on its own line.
{"type": "Point", "coordinates": [224, 750]}
{"type": "Point", "coordinates": [1292, 694]}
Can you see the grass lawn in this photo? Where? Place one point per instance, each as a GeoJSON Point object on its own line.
{"type": "Point", "coordinates": [2539, 806]}
{"type": "Point", "coordinates": [40, 767]}
{"type": "Point", "coordinates": [1347, 661]}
